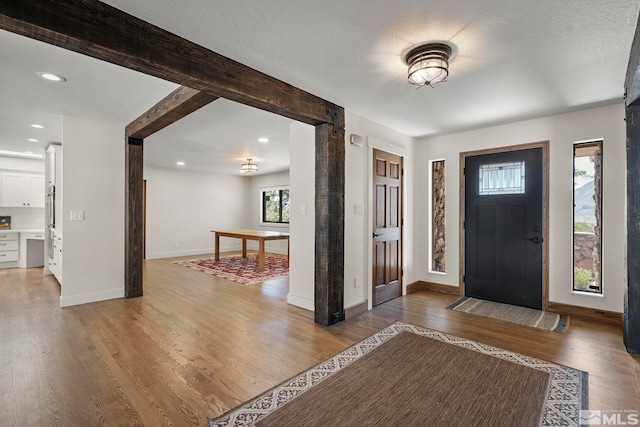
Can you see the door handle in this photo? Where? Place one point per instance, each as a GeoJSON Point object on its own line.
{"type": "Point", "coordinates": [535, 240]}
{"type": "Point", "coordinates": [375, 235]}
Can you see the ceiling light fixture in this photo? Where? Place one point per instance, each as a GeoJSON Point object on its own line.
{"type": "Point", "coordinates": [32, 140]}
{"type": "Point", "coordinates": [37, 126]}
{"type": "Point", "coordinates": [263, 140]}
{"type": "Point", "coordinates": [248, 167]}
{"type": "Point", "coordinates": [428, 64]}
{"type": "Point", "coordinates": [51, 77]}
{"type": "Point", "coordinates": [180, 163]}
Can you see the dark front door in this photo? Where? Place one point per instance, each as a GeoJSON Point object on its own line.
{"type": "Point", "coordinates": [387, 219]}
{"type": "Point", "coordinates": [503, 227]}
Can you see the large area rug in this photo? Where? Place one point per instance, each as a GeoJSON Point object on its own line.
{"type": "Point", "coordinates": [410, 375]}
{"type": "Point", "coordinates": [512, 313]}
{"type": "Point", "coordinates": [241, 270]}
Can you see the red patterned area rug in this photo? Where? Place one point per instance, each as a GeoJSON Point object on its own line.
{"type": "Point", "coordinates": [241, 270]}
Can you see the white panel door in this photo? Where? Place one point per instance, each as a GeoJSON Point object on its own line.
{"type": "Point", "coordinates": [36, 191]}
{"type": "Point", "coordinates": [14, 190]}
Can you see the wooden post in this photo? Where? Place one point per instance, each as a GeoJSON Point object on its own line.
{"type": "Point", "coordinates": [329, 209]}
{"type": "Point", "coordinates": [632, 300]}
{"type": "Point", "coordinates": [134, 221]}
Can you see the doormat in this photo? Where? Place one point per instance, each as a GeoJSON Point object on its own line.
{"type": "Point", "coordinates": [241, 270]}
{"type": "Point", "coordinates": [512, 313]}
{"type": "Point", "coordinates": [455, 381]}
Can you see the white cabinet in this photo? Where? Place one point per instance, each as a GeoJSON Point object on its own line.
{"type": "Point", "coordinates": [9, 247]}
{"type": "Point", "coordinates": [21, 190]}
{"type": "Point", "coordinates": [55, 258]}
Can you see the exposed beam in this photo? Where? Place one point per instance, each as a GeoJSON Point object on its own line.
{"type": "Point", "coordinates": [178, 104]}
{"type": "Point", "coordinates": [104, 32]}
{"type": "Point", "coordinates": [95, 29]}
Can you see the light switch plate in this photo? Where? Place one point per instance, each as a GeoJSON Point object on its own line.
{"type": "Point", "coordinates": [77, 215]}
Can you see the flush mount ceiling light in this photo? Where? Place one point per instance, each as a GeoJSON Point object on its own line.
{"type": "Point", "coordinates": [263, 140]}
{"type": "Point", "coordinates": [37, 126]}
{"type": "Point", "coordinates": [248, 167]}
{"type": "Point", "coordinates": [428, 64]}
{"type": "Point", "coordinates": [51, 77]}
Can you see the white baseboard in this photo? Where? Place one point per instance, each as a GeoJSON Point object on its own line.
{"type": "Point", "coordinates": [301, 302]}
{"type": "Point", "coordinates": [93, 297]}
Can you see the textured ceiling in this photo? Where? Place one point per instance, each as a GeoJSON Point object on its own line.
{"type": "Point", "coordinates": [514, 60]}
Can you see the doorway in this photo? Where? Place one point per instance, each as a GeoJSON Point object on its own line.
{"type": "Point", "coordinates": [505, 225]}
{"type": "Point", "coordinates": [387, 226]}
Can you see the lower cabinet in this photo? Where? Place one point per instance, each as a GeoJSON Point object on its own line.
{"type": "Point", "coordinates": [55, 263]}
{"type": "Point", "coordinates": [9, 247]}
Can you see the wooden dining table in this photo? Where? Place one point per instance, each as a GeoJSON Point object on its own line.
{"type": "Point", "coordinates": [259, 235]}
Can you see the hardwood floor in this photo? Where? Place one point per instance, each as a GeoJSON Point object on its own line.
{"type": "Point", "coordinates": [196, 346]}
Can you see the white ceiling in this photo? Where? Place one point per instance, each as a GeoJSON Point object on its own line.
{"type": "Point", "coordinates": [515, 59]}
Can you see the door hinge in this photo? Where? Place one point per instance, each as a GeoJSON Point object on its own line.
{"type": "Point", "coordinates": [402, 271]}
{"type": "Point", "coordinates": [464, 279]}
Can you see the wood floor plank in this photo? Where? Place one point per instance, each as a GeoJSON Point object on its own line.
{"type": "Point", "coordinates": [196, 345]}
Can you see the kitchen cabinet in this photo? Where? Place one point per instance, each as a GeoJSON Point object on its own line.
{"type": "Point", "coordinates": [55, 256]}
{"type": "Point", "coordinates": [22, 190]}
{"type": "Point", "coordinates": [9, 247]}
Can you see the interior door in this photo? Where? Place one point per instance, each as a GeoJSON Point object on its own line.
{"type": "Point", "coordinates": [387, 222]}
{"type": "Point", "coordinates": [503, 227]}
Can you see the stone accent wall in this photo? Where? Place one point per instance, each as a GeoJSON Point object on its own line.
{"type": "Point", "coordinates": [438, 225]}
{"type": "Point", "coordinates": [583, 249]}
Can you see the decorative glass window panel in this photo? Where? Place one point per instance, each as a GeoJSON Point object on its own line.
{"type": "Point", "coordinates": [437, 217]}
{"type": "Point", "coordinates": [501, 178]}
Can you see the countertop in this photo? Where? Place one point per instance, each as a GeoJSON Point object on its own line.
{"type": "Point", "coordinates": [23, 230]}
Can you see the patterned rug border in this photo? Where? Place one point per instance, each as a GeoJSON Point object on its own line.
{"type": "Point", "coordinates": [561, 327]}
{"type": "Point", "coordinates": [567, 395]}
{"type": "Point", "coordinates": [190, 263]}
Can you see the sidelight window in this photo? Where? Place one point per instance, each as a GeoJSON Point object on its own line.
{"type": "Point", "coordinates": [437, 217]}
{"type": "Point", "coordinates": [587, 217]}
{"type": "Point", "coordinates": [501, 178]}
{"type": "Point", "coordinates": [275, 206]}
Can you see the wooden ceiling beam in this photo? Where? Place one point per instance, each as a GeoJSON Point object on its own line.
{"type": "Point", "coordinates": [178, 104]}
{"type": "Point", "coordinates": [101, 31]}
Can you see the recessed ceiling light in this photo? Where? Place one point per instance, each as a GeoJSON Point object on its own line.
{"type": "Point", "coordinates": [32, 140]}
{"type": "Point", "coordinates": [263, 140]}
{"type": "Point", "coordinates": [37, 126]}
{"type": "Point", "coordinates": [51, 77]}
{"type": "Point", "coordinates": [180, 163]}
{"type": "Point", "coordinates": [19, 154]}
{"type": "Point", "coordinates": [28, 152]}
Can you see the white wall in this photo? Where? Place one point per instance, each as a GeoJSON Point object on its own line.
{"type": "Point", "coordinates": [254, 201]}
{"type": "Point", "coordinates": [184, 206]}
{"type": "Point", "coordinates": [359, 193]}
{"type": "Point", "coordinates": [93, 180]}
{"type": "Point", "coordinates": [23, 218]}
{"type": "Point", "coordinates": [302, 215]}
{"type": "Point", "coordinates": [22, 165]}
{"type": "Point", "coordinates": [562, 131]}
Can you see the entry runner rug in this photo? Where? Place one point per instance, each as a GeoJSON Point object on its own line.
{"type": "Point", "coordinates": [241, 270]}
{"type": "Point", "coordinates": [513, 313]}
{"type": "Point", "coordinates": [410, 375]}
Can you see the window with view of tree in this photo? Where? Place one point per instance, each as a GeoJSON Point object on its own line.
{"type": "Point", "coordinates": [587, 217]}
{"type": "Point", "coordinates": [275, 206]}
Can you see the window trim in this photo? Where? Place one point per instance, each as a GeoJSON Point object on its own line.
{"type": "Point", "coordinates": [268, 223]}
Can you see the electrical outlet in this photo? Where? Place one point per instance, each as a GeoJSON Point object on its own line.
{"type": "Point", "coordinates": [356, 282]}
{"type": "Point", "coordinates": [177, 245]}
